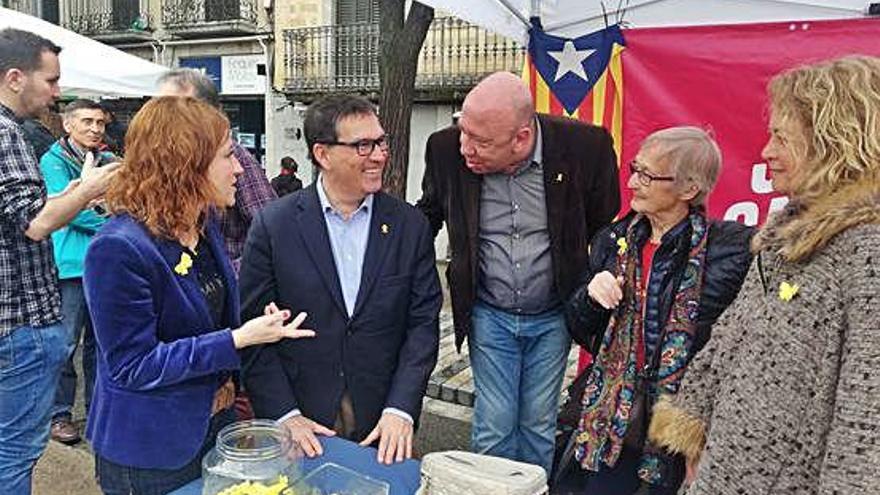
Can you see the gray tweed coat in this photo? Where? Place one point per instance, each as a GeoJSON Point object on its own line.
{"type": "Point", "coordinates": [785, 397]}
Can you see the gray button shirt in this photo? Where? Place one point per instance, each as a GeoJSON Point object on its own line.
{"type": "Point", "coordinates": [516, 268]}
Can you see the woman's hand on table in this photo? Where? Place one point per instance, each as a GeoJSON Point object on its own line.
{"type": "Point", "coordinates": [270, 328]}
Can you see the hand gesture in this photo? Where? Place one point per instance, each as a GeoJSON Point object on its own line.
{"type": "Point", "coordinates": [303, 432]}
{"type": "Point", "coordinates": [270, 328]}
{"type": "Point", "coordinates": [606, 290]}
{"type": "Point", "coordinates": [395, 435]}
{"type": "Point", "coordinates": [94, 180]}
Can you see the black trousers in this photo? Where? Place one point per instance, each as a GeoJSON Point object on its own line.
{"type": "Point", "coordinates": [622, 479]}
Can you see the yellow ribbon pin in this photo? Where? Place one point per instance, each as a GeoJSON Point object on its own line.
{"type": "Point", "coordinates": [787, 291]}
{"type": "Point", "coordinates": [186, 262]}
{"type": "Point", "coordinates": [622, 245]}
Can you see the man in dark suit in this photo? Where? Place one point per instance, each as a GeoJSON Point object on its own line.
{"type": "Point", "coordinates": [361, 264]}
{"type": "Point", "coordinates": [521, 196]}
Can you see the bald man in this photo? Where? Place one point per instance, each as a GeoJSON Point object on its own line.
{"type": "Point", "coordinates": [521, 195]}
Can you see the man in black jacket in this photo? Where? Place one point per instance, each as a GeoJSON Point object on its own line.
{"type": "Point", "coordinates": [287, 182]}
{"type": "Point", "coordinates": [38, 135]}
{"type": "Point", "coordinates": [521, 196]}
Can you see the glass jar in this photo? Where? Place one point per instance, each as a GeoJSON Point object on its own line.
{"type": "Point", "coordinates": [249, 457]}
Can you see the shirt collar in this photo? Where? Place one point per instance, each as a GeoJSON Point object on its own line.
{"type": "Point", "coordinates": [327, 207]}
{"type": "Point", "coordinates": [77, 150]}
{"type": "Point", "coordinates": [8, 113]}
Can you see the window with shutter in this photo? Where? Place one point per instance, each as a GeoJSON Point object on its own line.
{"type": "Point", "coordinates": [49, 11]}
{"type": "Point", "coordinates": [355, 46]}
{"type": "Point", "coordinates": [354, 11]}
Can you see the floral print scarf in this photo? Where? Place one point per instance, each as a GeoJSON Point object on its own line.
{"type": "Point", "coordinates": [608, 396]}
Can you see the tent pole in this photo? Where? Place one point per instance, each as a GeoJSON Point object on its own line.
{"type": "Point", "coordinates": [515, 12]}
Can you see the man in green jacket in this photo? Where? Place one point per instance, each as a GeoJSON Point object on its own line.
{"type": "Point", "coordinates": [84, 123]}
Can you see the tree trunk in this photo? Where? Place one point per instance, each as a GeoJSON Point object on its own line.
{"type": "Point", "coordinates": [399, 44]}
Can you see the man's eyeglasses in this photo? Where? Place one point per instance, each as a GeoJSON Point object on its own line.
{"type": "Point", "coordinates": [363, 147]}
{"type": "Point", "coordinates": [645, 177]}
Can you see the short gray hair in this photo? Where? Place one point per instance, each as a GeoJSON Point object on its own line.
{"type": "Point", "coordinates": [693, 156]}
{"type": "Point", "coordinates": [186, 77]}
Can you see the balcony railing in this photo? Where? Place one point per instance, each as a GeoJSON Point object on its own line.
{"type": "Point", "coordinates": [345, 58]}
{"type": "Point", "coordinates": [110, 20]}
{"type": "Point", "coordinates": [209, 17]}
{"type": "Point", "coordinates": [29, 7]}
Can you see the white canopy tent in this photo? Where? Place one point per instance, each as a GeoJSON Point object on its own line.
{"type": "Point", "coordinates": [90, 68]}
{"type": "Point", "coordinates": [573, 18]}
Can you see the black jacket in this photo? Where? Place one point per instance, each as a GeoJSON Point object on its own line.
{"type": "Point", "coordinates": [582, 194]}
{"type": "Point", "coordinates": [38, 137]}
{"type": "Point", "coordinates": [286, 184]}
{"type": "Point", "coordinates": [727, 262]}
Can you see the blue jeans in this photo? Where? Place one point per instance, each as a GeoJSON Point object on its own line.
{"type": "Point", "coordinates": [78, 324]}
{"type": "Point", "coordinates": [30, 360]}
{"type": "Point", "coordinates": [116, 479]}
{"type": "Point", "coordinates": [518, 363]}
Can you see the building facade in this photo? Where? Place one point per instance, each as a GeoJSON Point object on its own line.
{"type": "Point", "coordinates": [230, 40]}
{"type": "Point", "coordinates": [307, 48]}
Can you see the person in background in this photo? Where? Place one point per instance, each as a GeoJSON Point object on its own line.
{"type": "Point", "coordinates": [164, 302]}
{"type": "Point", "coordinates": [41, 132]}
{"type": "Point", "coordinates": [114, 133]}
{"type": "Point", "coordinates": [254, 190]}
{"type": "Point", "coordinates": [33, 341]}
{"type": "Point", "coordinates": [658, 279]}
{"type": "Point", "coordinates": [287, 182]}
{"type": "Point", "coordinates": [785, 397]}
{"type": "Point", "coordinates": [61, 164]}
{"type": "Point", "coordinates": [521, 195]}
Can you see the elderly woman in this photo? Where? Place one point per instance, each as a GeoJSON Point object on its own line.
{"type": "Point", "coordinates": [786, 396]}
{"type": "Point", "coordinates": [658, 279]}
{"type": "Point", "coordinates": [164, 302]}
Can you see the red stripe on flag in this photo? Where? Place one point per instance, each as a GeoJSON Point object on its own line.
{"type": "Point", "coordinates": [610, 95]}
{"type": "Point", "coordinates": [533, 77]}
{"type": "Point", "coordinates": [555, 106]}
{"type": "Point", "coordinates": [585, 109]}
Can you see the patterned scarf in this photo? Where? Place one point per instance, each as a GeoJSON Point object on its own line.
{"type": "Point", "coordinates": [609, 393]}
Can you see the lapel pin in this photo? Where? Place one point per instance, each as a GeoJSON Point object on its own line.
{"type": "Point", "coordinates": [559, 177]}
{"type": "Point", "coordinates": [385, 228]}
{"type": "Point", "coordinates": [787, 291]}
{"type": "Point", "coordinates": [185, 263]}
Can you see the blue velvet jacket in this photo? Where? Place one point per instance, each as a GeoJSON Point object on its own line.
{"type": "Point", "coordinates": [160, 356]}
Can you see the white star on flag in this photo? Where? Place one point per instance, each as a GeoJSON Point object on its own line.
{"type": "Point", "coordinates": [571, 60]}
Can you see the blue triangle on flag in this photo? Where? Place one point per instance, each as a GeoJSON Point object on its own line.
{"type": "Point", "coordinates": [571, 67]}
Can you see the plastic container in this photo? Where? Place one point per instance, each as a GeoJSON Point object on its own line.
{"type": "Point", "coordinates": [333, 479]}
{"type": "Point", "coordinates": [466, 473]}
{"type": "Point", "coordinates": [248, 453]}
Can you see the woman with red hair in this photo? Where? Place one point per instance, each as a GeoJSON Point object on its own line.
{"type": "Point", "coordinates": [164, 302]}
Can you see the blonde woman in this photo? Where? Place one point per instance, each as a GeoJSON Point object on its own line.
{"type": "Point", "coordinates": [785, 398]}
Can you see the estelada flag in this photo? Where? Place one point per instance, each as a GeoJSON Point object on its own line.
{"type": "Point", "coordinates": [581, 78]}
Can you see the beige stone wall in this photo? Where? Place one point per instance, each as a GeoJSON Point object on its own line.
{"type": "Point", "coordinates": [293, 14]}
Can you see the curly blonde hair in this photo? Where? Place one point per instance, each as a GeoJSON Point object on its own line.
{"type": "Point", "coordinates": [163, 181]}
{"type": "Point", "coordinates": [837, 103]}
